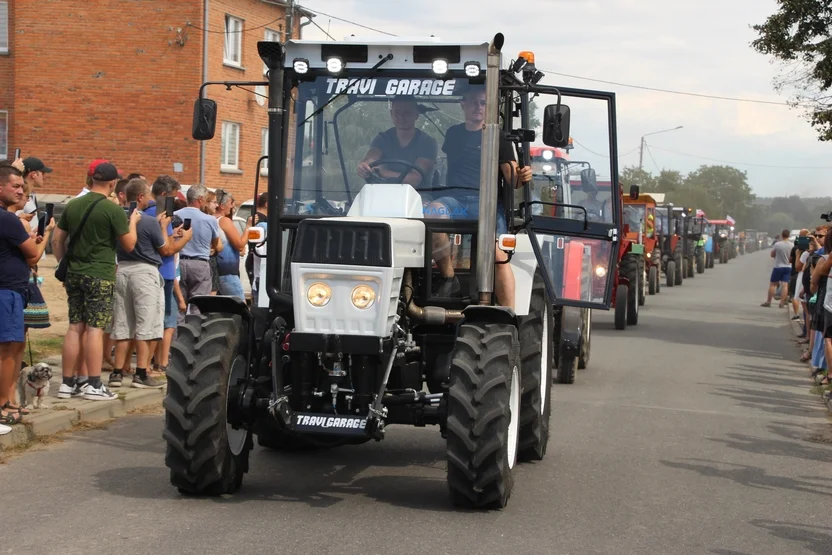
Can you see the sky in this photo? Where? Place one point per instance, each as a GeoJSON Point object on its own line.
{"type": "Point", "coordinates": [701, 47]}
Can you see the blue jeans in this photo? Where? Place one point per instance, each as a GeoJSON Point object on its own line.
{"type": "Point", "coordinates": [232, 286]}
{"type": "Point", "coordinates": [171, 305]}
{"type": "Point", "coordinates": [467, 208]}
{"type": "Point", "coordinates": [11, 317]}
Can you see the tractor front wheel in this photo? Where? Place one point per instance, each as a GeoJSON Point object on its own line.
{"type": "Point", "coordinates": [652, 280]}
{"type": "Point", "coordinates": [670, 273]}
{"type": "Point", "coordinates": [483, 415]}
{"type": "Point", "coordinates": [621, 294]}
{"type": "Point", "coordinates": [680, 275]}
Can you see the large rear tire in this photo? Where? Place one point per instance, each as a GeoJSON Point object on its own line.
{"type": "Point", "coordinates": [483, 415]}
{"type": "Point", "coordinates": [629, 268]}
{"type": "Point", "coordinates": [621, 294]}
{"type": "Point", "coordinates": [536, 332]}
{"type": "Point", "coordinates": [586, 340]}
{"type": "Point", "coordinates": [652, 280]}
{"type": "Point", "coordinates": [205, 454]}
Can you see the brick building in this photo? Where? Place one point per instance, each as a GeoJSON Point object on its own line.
{"type": "Point", "coordinates": [117, 79]}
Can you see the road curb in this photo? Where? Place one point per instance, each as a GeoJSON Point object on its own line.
{"type": "Point", "coordinates": [62, 418]}
{"type": "Point", "coordinates": [796, 328]}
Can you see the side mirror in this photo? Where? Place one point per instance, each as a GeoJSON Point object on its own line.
{"type": "Point", "coordinates": [205, 119]}
{"type": "Point", "coordinates": [556, 125]}
{"type": "Point", "coordinates": [634, 192]}
{"type": "Point", "coordinates": [588, 179]}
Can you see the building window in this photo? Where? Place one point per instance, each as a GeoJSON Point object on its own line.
{"type": "Point", "coordinates": [271, 36]}
{"type": "Point", "coordinates": [4, 134]}
{"type": "Point", "coordinates": [4, 27]}
{"type": "Point", "coordinates": [264, 151]}
{"type": "Point", "coordinates": [233, 41]}
{"type": "Point", "coordinates": [230, 159]}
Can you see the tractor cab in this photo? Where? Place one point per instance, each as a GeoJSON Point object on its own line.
{"type": "Point", "coordinates": [722, 233]}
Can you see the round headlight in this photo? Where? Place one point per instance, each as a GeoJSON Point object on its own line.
{"type": "Point", "coordinates": [600, 271]}
{"type": "Point", "coordinates": [363, 296]}
{"type": "Point", "coordinates": [318, 294]}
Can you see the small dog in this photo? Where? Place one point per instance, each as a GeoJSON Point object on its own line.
{"type": "Point", "coordinates": [33, 386]}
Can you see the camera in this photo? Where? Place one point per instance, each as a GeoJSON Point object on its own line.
{"type": "Point", "coordinates": [827, 216]}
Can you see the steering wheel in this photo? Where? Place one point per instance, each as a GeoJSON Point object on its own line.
{"type": "Point", "coordinates": [375, 178]}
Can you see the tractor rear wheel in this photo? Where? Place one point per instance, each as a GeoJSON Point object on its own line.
{"type": "Point", "coordinates": [652, 280]}
{"type": "Point", "coordinates": [692, 267]}
{"type": "Point", "coordinates": [670, 273]}
{"type": "Point", "coordinates": [483, 415]}
{"type": "Point", "coordinates": [536, 331]}
{"type": "Point", "coordinates": [205, 453]}
{"type": "Point", "coordinates": [586, 339]}
{"type": "Point", "coordinates": [679, 270]}
{"type": "Point", "coordinates": [621, 295]}
{"type": "Point", "coordinates": [700, 263]}
{"type": "Point", "coordinates": [629, 268]}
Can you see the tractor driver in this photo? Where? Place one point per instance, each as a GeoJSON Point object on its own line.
{"type": "Point", "coordinates": [593, 205]}
{"type": "Point", "coordinates": [462, 146]}
{"type": "Point", "coordinates": [402, 142]}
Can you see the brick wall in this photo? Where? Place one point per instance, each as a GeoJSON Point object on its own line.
{"type": "Point", "coordinates": [237, 105]}
{"type": "Point", "coordinates": [105, 79]}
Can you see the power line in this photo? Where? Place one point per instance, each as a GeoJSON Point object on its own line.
{"type": "Point", "coordinates": [598, 153]}
{"type": "Point", "coordinates": [685, 93]}
{"type": "Point", "coordinates": [658, 169]}
{"type": "Point", "coordinates": [225, 32]}
{"type": "Point", "coordinates": [317, 12]}
{"type": "Point", "coordinates": [745, 163]}
{"type": "Point", "coordinates": [321, 28]}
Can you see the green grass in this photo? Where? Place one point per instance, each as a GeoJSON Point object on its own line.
{"type": "Point", "coordinates": [43, 347]}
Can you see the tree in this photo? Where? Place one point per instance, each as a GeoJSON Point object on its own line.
{"type": "Point", "coordinates": [669, 180]}
{"type": "Point", "coordinates": [798, 35]}
{"type": "Point", "coordinates": [725, 189]}
{"type": "Point", "coordinates": [632, 175]}
{"type": "Point", "coordinates": [777, 222]}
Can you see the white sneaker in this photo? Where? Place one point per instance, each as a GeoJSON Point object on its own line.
{"type": "Point", "coordinates": [5, 430]}
{"type": "Point", "coordinates": [100, 394]}
{"type": "Point", "coordinates": [65, 391]}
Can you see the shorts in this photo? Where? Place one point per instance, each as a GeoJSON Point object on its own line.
{"type": "Point", "coordinates": [171, 306]}
{"type": "Point", "coordinates": [90, 300]}
{"type": "Point", "coordinates": [11, 317]}
{"type": "Point", "coordinates": [827, 324]}
{"type": "Point", "coordinates": [139, 302]}
{"type": "Point", "coordinates": [780, 274]}
{"type": "Point", "coordinates": [468, 209]}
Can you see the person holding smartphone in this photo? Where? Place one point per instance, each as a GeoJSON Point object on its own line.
{"type": "Point", "coordinates": [194, 257]}
{"type": "Point", "coordinates": [163, 194]}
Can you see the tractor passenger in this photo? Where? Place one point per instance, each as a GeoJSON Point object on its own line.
{"type": "Point", "coordinates": [402, 142]}
{"type": "Point", "coordinates": [462, 146]}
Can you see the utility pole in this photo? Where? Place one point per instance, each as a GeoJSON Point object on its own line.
{"type": "Point", "coordinates": [290, 19]}
{"type": "Point", "coordinates": [641, 146]}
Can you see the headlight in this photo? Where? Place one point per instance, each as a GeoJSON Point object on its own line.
{"type": "Point", "coordinates": [472, 69]}
{"type": "Point", "coordinates": [363, 296]}
{"type": "Point", "coordinates": [649, 255]}
{"type": "Point", "coordinates": [440, 67]}
{"type": "Point", "coordinates": [334, 65]}
{"type": "Point", "coordinates": [547, 155]}
{"type": "Point", "coordinates": [318, 294]}
{"type": "Point", "coordinates": [300, 65]}
{"type": "Point", "coordinates": [600, 271]}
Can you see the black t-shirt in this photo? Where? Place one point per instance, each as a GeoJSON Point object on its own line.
{"type": "Point", "coordinates": [463, 149]}
{"type": "Point", "coordinates": [14, 270]}
{"type": "Point", "coordinates": [421, 145]}
{"type": "Point", "coordinates": [794, 258]}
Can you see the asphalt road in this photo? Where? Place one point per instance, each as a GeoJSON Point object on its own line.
{"type": "Point", "coordinates": [691, 433]}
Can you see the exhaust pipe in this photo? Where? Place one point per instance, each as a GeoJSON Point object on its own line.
{"type": "Point", "coordinates": [433, 315]}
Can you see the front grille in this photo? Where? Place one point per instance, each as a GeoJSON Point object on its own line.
{"type": "Point", "coordinates": [343, 242]}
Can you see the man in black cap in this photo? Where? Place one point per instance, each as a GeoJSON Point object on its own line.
{"type": "Point", "coordinates": [34, 171]}
{"type": "Point", "coordinates": [90, 279]}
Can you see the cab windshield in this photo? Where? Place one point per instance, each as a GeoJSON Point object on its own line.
{"type": "Point", "coordinates": [634, 216]}
{"type": "Point", "coordinates": [349, 131]}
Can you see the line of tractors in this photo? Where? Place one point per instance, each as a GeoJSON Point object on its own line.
{"type": "Point", "coordinates": [663, 244]}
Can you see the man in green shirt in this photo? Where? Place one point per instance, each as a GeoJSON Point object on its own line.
{"type": "Point", "coordinates": [91, 276]}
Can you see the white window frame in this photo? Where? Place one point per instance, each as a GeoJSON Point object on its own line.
{"type": "Point", "coordinates": [233, 32]}
{"type": "Point", "coordinates": [270, 35]}
{"type": "Point", "coordinates": [264, 150]}
{"type": "Point", "coordinates": [5, 38]}
{"type": "Point", "coordinates": [226, 164]}
{"type": "Point", "coordinates": [4, 153]}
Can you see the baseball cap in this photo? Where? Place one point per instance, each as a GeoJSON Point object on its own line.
{"type": "Point", "coordinates": [94, 164]}
{"type": "Point", "coordinates": [105, 172]}
{"type": "Point", "coordinates": [33, 164]}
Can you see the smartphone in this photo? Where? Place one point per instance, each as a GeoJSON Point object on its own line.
{"type": "Point", "coordinates": [187, 225]}
{"type": "Point", "coordinates": [132, 208]}
{"type": "Point", "coordinates": [170, 206]}
{"type": "Point", "coordinates": [16, 153]}
{"type": "Point", "coordinates": [44, 220]}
